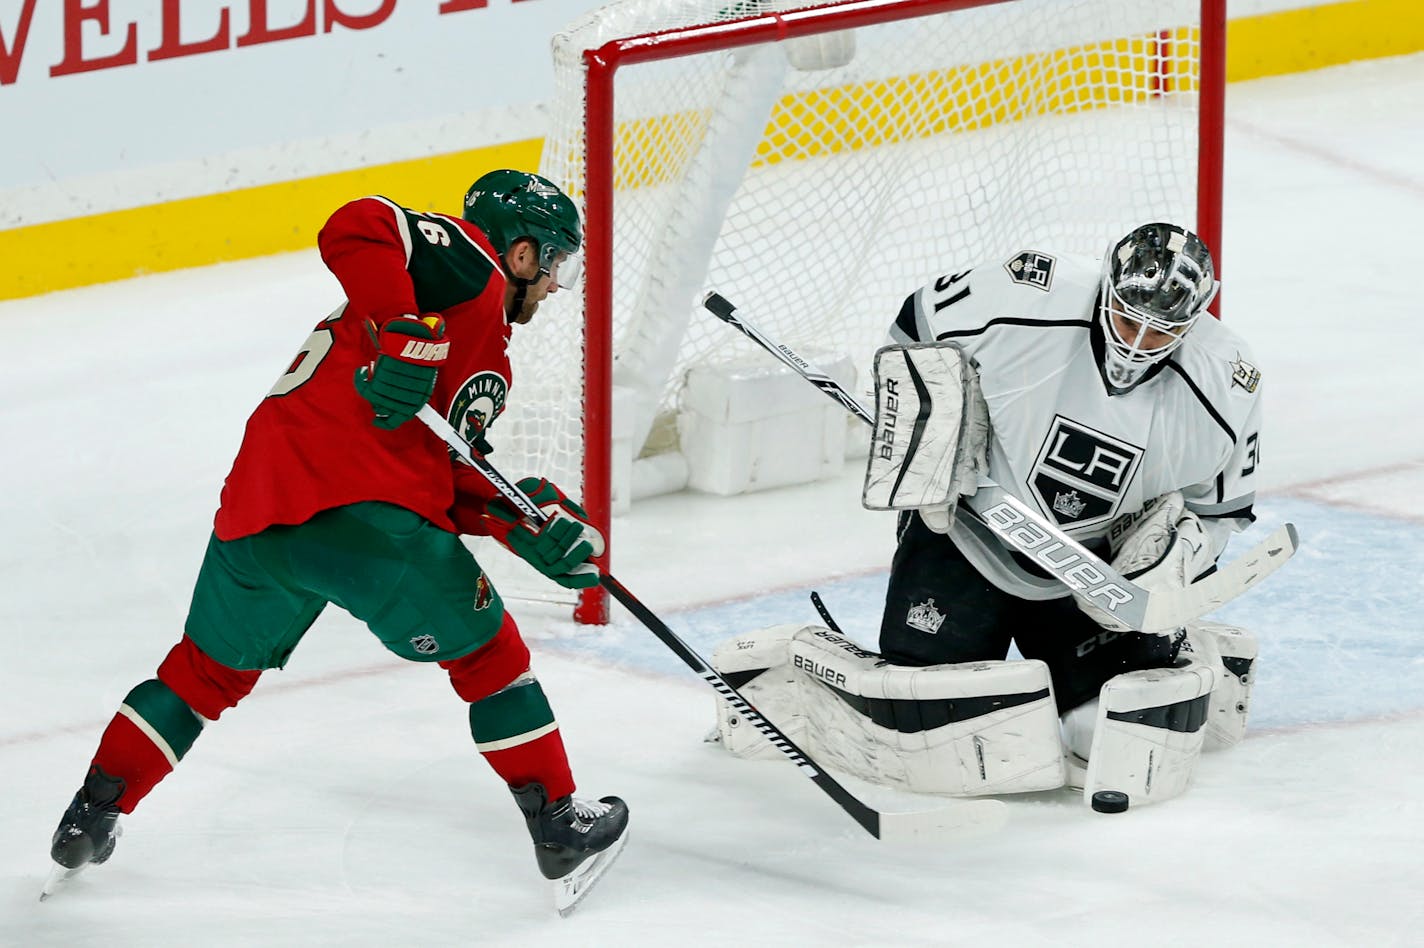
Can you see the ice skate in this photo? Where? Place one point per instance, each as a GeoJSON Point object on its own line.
{"type": "Point", "coordinates": [87, 832]}
{"type": "Point", "coordinates": [575, 841]}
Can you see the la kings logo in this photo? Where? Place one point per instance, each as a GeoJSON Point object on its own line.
{"type": "Point", "coordinates": [477, 404]}
{"type": "Point", "coordinates": [1080, 474]}
{"type": "Point", "coordinates": [1032, 268]}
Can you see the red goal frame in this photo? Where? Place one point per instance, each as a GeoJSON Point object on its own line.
{"type": "Point", "coordinates": [602, 65]}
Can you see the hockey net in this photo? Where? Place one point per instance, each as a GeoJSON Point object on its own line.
{"type": "Point", "coordinates": [815, 164]}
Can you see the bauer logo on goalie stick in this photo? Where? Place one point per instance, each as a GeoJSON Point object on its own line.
{"type": "Point", "coordinates": [1073, 569]}
{"type": "Point", "coordinates": [1080, 474]}
{"type": "Point", "coordinates": [1032, 268]}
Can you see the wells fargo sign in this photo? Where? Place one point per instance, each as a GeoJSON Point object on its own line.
{"type": "Point", "coordinates": [91, 30]}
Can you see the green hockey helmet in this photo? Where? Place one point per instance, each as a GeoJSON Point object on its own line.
{"type": "Point", "coordinates": [511, 205]}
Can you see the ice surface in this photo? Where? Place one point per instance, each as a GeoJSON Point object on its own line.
{"type": "Point", "coordinates": [343, 804]}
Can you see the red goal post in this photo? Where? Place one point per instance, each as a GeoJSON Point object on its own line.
{"type": "Point", "coordinates": [1012, 121]}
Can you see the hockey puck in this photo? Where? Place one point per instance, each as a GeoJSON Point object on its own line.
{"type": "Point", "coordinates": [1110, 801]}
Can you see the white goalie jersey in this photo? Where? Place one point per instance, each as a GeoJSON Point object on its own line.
{"type": "Point", "coordinates": [1059, 441]}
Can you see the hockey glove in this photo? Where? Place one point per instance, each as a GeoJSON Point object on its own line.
{"type": "Point", "coordinates": [1165, 548]}
{"type": "Point", "coordinates": [409, 353]}
{"type": "Point", "coordinates": [562, 547]}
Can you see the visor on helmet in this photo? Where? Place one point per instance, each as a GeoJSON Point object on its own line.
{"type": "Point", "coordinates": [563, 267]}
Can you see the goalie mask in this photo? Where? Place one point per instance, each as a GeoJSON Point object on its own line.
{"type": "Point", "coordinates": [1157, 281]}
{"type": "Point", "coordinates": [513, 205]}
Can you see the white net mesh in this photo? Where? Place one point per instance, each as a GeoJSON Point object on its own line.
{"type": "Point", "coordinates": [817, 182]}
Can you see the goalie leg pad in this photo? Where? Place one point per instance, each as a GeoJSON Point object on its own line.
{"type": "Point", "coordinates": [1231, 652]}
{"type": "Point", "coordinates": [758, 665]}
{"type": "Point", "coordinates": [961, 730]}
{"type": "Point", "coordinates": [1149, 732]}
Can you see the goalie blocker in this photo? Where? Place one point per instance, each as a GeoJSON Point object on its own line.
{"type": "Point", "coordinates": [931, 439]}
{"type": "Point", "coordinates": [992, 727]}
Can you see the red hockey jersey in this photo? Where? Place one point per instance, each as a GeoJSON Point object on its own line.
{"type": "Point", "coordinates": [310, 445]}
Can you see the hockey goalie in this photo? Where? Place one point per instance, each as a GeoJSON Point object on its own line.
{"type": "Point", "coordinates": [1091, 391]}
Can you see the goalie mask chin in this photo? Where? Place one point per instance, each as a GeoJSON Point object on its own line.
{"type": "Point", "coordinates": [1156, 283]}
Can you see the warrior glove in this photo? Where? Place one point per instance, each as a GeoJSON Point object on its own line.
{"type": "Point", "coordinates": [561, 547]}
{"type": "Point", "coordinates": [409, 353]}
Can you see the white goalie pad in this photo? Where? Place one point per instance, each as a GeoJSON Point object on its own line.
{"type": "Point", "coordinates": [758, 665]}
{"type": "Point", "coordinates": [930, 444]}
{"type": "Point", "coordinates": [1149, 731]}
{"type": "Point", "coordinates": [1231, 652]}
{"type": "Point", "coordinates": [960, 730]}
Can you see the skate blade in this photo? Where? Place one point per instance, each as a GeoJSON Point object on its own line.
{"type": "Point", "coordinates": [58, 876]}
{"type": "Point", "coordinates": [571, 889]}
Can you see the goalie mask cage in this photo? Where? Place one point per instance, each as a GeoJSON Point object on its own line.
{"type": "Point", "coordinates": [816, 164]}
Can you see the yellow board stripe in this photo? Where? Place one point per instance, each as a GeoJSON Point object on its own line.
{"type": "Point", "coordinates": [251, 222]}
{"type": "Point", "coordinates": [1275, 44]}
{"type": "Point", "coordinates": [282, 217]}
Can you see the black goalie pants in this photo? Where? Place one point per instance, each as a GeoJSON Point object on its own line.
{"type": "Point", "coordinates": [940, 610]}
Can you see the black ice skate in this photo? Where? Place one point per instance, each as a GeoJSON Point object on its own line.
{"type": "Point", "coordinates": [88, 830]}
{"type": "Point", "coordinates": [575, 841]}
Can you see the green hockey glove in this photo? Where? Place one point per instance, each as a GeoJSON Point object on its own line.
{"type": "Point", "coordinates": [562, 548]}
{"type": "Point", "coordinates": [409, 353]}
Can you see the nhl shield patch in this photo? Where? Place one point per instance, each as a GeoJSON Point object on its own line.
{"type": "Point", "coordinates": [1080, 474]}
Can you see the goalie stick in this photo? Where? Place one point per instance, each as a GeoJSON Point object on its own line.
{"type": "Point", "coordinates": [1161, 611]}
{"type": "Point", "coordinates": [953, 819]}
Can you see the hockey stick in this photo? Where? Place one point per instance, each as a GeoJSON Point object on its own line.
{"type": "Point", "coordinates": [1024, 529]}
{"type": "Point", "coordinates": [948, 820]}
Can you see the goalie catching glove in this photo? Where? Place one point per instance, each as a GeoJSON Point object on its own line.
{"type": "Point", "coordinates": [561, 547]}
{"type": "Point", "coordinates": [409, 353]}
{"type": "Point", "coordinates": [1166, 549]}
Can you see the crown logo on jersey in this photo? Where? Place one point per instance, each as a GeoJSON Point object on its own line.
{"type": "Point", "coordinates": [1069, 505]}
{"type": "Point", "coordinates": [925, 617]}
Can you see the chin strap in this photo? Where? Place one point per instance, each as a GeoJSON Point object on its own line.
{"type": "Point", "coordinates": [521, 289]}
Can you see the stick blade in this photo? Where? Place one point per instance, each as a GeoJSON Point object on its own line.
{"type": "Point", "coordinates": [956, 820]}
{"type": "Point", "coordinates": [1167, 611]}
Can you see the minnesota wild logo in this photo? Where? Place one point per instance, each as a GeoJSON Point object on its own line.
{"type": "Point", "coordinates": [484, 593]}
{"type": "Point", "coordinates": [477, 404]}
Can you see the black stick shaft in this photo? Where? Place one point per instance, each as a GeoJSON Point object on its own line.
{"type": "Point", "coordinates": [867, 817]}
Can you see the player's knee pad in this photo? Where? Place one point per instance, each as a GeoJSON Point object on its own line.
{"type": "Point", "coordinates": [962, 730]}
{"type": "Point", "coordinates": [1147, 731]}
{"type": "Point", "coordinates": [203, 683]}
{"type": "Point", "coordinates": [492, 666]}
{"type": "Point", "coordinates": [1231, 652]}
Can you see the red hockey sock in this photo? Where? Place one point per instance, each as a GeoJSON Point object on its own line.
{"type": "Point", "coordinates": [541, 760]}
{"type": "Point", "coordinates": [161, 718]}
{"type": "Point", "coordinates": [510, 718]}
{"type": "Point", "coordinates": [145, 740]}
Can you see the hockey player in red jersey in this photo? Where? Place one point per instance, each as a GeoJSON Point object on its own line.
{"type": "Point", "coordinates": [337, 497]}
